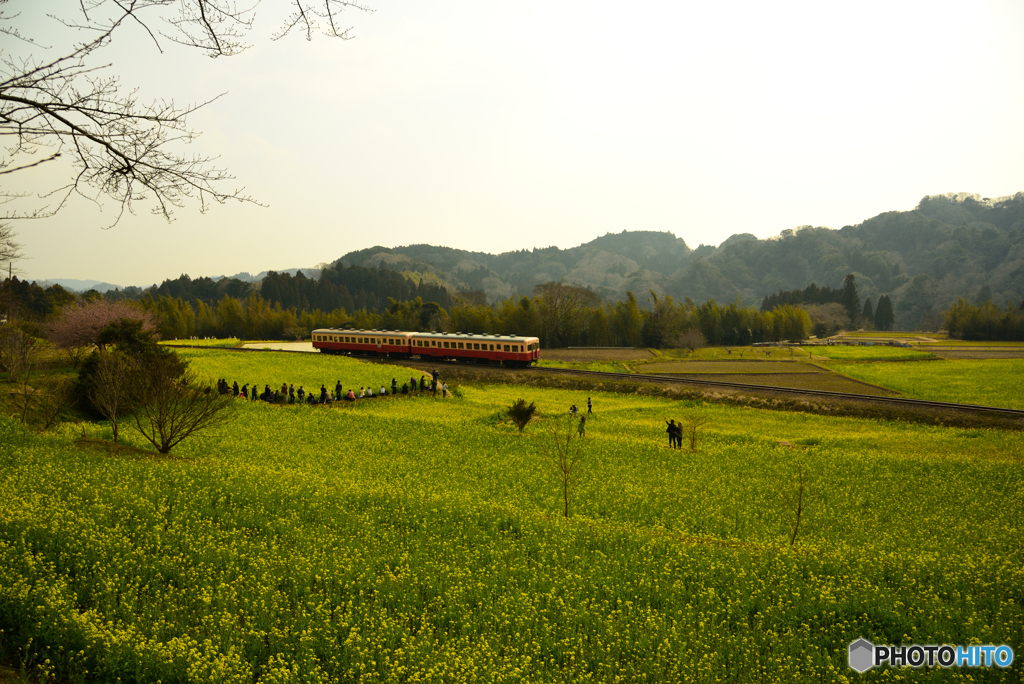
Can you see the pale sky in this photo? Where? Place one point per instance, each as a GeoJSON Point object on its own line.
{"type": "Point", "coordinates": [498, 126]}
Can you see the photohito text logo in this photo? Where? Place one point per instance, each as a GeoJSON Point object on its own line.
{"type": "Point", "coordinates": [864, 655]}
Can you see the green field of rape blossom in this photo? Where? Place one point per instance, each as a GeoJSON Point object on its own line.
{"type": "Point", "coordinates": [988, 382]}
{"type": "Point", "coordinates": [414, 539]}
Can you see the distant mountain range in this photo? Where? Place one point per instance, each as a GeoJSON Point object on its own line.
{"type": "Point", "coordinates": [80, 286]}
{"type": "Point", "coordinates": [954, 245]}
{"type": "Point", "coordinates": [949, 246]}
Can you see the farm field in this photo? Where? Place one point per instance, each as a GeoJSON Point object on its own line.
{"type": "Point", "coordinates": [211, 343]}
{"type": "Point", "coordinates": [589, 355]}
{"type": "Point", "coordinates": [988, 382]}
{"type": "Point", "coordinates": [874, 353]}
{"type": "Point", "coordinates": [420, 539]}
{"type": "Point", "coordinates": [797, 374]}
{"type": "Point", "coordinates": [757, 367]}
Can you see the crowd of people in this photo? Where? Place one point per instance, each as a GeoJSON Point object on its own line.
{"type": "Point", "coordinates": [289, 394]}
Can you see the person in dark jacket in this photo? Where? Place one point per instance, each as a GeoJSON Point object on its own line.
{"type": "Point", "coordinates": [338, 390]}
{"type": "Point", "coordinates": [234, 388]}
{"type": "Point", "coordinates": [394, 386]}
{"type": "Point", "coordinates": [323, 394]}
{"type": "Point", "coordinates": [675, 433]}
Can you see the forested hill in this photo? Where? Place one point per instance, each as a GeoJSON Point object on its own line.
{"type": "Point", "coordinates": [609, 265]}
{"type": "Point", "coordinates": [949, 246]}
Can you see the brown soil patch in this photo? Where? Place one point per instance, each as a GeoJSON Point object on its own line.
{"type": "Point", "coordinates": [829, 382]}
{"type": "Point", "coordinates": [750, 367]}
{"type": "Point", "coordinates": [587, 355]}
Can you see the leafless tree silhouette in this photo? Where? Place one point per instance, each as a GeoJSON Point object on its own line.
{"type": "Point", "coordinates": [121, 148]}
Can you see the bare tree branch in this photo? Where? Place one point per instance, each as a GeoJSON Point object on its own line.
{"type": "Point", "coordinates": [120, 148]}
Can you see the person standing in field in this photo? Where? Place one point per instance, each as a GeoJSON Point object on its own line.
{"type": "Point", "coordinates": [583, 426]}
{"type": "Point", "coordinates": [671, 433]}
{"type": "Point", "coordinates": [444, 390]}
{"type": "Point", "coordinates": [590, 406]}
{"type": "Point", "coordinates": [338, 390]}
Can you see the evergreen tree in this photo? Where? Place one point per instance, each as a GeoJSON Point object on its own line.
{"type": "Point", "coordinates": [883, 313]}
{"type": "Point", "coordinates": [868, 314]}
{"type": "Point", "coordinates": [850, 300]}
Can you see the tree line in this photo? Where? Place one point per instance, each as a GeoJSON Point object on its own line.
{"type": "Point", "coordinates": [985, 321]}
{"type": "Point", "coordinates": [832, 310]}
{"type": "Point", "coordinates": [560, 315]}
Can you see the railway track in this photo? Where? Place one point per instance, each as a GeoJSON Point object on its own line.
{"type": "Point", "coordinates": [644, 377]}
{"type": "Point", "coordinates": [824, 394]}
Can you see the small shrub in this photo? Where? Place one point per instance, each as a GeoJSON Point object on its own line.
{"type": "Point", "coordinates": [521, 413]}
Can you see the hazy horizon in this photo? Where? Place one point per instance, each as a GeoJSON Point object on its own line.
{"type": "Point", "coordinates": [493, 128]}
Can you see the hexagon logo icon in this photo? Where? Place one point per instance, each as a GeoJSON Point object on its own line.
{"type": "Point", "coordinates": [861, 656]}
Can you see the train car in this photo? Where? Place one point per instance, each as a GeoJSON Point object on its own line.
{"type": "Point", "coordinates": [508, 350]}
{"type": "Point", "coordinates": [394, 343]}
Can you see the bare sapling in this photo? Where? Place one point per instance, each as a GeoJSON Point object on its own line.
{"type": "Point", "coordinates": [692, 424]}
{"type": "Point", "coordinates": [53, 398]}
{"type": "Point", "coordinates": [798, 500]}
{"type": "Point", "coordinates": [110, 392]}
{"type": "Point", "coordinates": [564, 449]}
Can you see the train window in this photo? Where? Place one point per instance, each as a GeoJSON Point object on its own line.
{"type": "Point", "coordinates": [506, 347]}
{"type": "Point", "coordinates": [460, 346]}
{"type": "Point", "coordinates": [492, 348]}
{"type": "Point", "coordinates": [476, 345]}
{"type": "Point", "coordinates": [445, 345]}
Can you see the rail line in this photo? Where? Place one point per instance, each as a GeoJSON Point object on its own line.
{"type": "Point", "coordinates": [644, 377]}
{"type": "Point", "coordinates": [673, 379]}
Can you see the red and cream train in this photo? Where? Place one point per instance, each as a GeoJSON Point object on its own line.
{"type": "Point", "coordinates": [508, 350]}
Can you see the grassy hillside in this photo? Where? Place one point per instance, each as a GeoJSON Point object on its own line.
{"type": "Point", "coordinates": [420, 539]}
